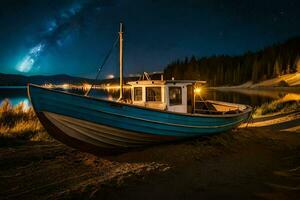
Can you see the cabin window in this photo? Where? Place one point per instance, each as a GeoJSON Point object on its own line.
{"type": "Point", "coordinates": [153, 94]}
{"type": "Point", "coordinates": [175, 95]}
{"type": "Point", "coordinates": [138, 91]}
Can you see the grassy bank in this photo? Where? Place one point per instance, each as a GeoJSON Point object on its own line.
{"type": "Point", "coordinates": [19, 123]}
{"type": "Point", "coordinates": [286, 104]}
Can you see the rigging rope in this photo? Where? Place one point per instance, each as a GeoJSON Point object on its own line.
{"type": "Point", "coordinates": [103, 63]}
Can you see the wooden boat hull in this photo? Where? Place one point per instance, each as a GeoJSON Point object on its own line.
{"type": "Point", "coordinates": [95, 124]}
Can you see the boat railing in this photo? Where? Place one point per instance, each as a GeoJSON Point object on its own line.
{"type": "Point", "coordinates": [207, 107]}
{"type": "Point", "coordinates": [206, 111]}
{"type": "Point", "coordinates": [215, 112]}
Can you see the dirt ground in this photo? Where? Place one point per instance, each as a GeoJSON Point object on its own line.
{"type": "Point", "coordinates": [261, 161]}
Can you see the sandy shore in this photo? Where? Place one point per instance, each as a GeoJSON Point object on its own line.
{"type": "Point", "coordinates": [261, 161]}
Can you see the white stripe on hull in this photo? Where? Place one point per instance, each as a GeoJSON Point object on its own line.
{"type": "Point", "coordinates": [99, 135]}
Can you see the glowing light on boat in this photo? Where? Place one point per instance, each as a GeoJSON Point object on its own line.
{"type": "Point", "coordinates": [198, 90]}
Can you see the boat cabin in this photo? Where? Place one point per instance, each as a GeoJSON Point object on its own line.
{"type": "Point", "coordinates": [170, 95]}
{"type": "Point", "coordinates": [182, 96]}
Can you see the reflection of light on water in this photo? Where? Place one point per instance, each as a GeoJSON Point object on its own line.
{"type": "Point", "coordinates": [26, 104]}
{"type": "Point", "coordinates": [17, 101]}
{"type": "Point", "coordinates": [86, 87]}
{"type": "Point", "coordinates": [65, 86]}
{"type": "Point", "coordinates": [110, 97]}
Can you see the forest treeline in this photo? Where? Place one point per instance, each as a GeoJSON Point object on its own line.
{"type": "Point", "coordinates": [273, 61]}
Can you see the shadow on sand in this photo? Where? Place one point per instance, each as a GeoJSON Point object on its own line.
{"type": "Point", "coordinates": [261, 161]}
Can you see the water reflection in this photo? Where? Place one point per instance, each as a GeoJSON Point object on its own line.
{"type": "Point", "coordinates": [15, 95]}
{"type": "Point", "coordinates": [239, 97]}
{"type": "Point", "coordinates": [249, 97]}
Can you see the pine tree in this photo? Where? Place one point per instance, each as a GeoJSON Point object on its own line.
{"type": "Point", "coordinates": [297, 64]}
{"type": "Point", "coordinates": [288, 69]}
{"type": "Point", "coordinates": [227, 70]}
{"type": "Point", "coordinates": [288, 65]}
{"type": "Point", "coordinates": [255, 71]}
{"type": "Point", "coordinates": [277, 68]}
{"type": "Point", "coordinates": [269, 70]}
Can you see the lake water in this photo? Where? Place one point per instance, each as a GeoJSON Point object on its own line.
{"type": "Point", "coordinates": [249, 97]}
{"type": "Point", "coordinates": [14, 94]}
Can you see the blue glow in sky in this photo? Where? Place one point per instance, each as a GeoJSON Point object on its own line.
{"type": "Point", "coordinates": [30, 59]}
{"type": "Point", "coordinates": [57, 30]}
{"type": "Point", "coordinates": [73, 37]}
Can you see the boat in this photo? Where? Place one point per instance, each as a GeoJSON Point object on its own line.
{"type": "Point", "coordinates": [157, 111]}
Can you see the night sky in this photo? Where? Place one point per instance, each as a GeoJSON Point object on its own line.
{"type": "Point", "coordinates": [72, 37]}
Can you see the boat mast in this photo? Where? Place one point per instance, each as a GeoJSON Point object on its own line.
{"type": "Point", "coordinates": [121, 60]}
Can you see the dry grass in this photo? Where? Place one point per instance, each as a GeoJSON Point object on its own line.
{"type": "Point", "coordinates": [277, 107]}
{"type": "Point", "coordinates": [19, 123]}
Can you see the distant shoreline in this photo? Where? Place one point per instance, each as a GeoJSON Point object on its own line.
{"type": "Point", "coordinates": [12, 87]}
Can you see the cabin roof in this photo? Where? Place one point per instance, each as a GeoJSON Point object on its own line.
{"type": "Point", "coordinates": [165, 82]}
{"type": "Point", "coordinates": [147, 82]}
{"type": "Point", "coordinates": [185, 81]}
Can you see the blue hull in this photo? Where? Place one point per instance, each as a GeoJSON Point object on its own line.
{"type": "Point", "coordinates": [143, 122]}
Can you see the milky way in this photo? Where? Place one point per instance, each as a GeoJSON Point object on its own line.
{"type": "Point", "coordinates": [72, 36]}
{"type": "Point", "coordinates": [57, 31]}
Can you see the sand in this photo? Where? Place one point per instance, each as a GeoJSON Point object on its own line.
{"type": "Point", "coordinates": [261, 161]}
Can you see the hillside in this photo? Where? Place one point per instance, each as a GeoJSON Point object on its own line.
{"type": "Point", "coordinates": [286, 82]}
{"type": "Point", "coordinates": [283, 80]}
{"type": "Point", "coordinates": [20, 80]}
